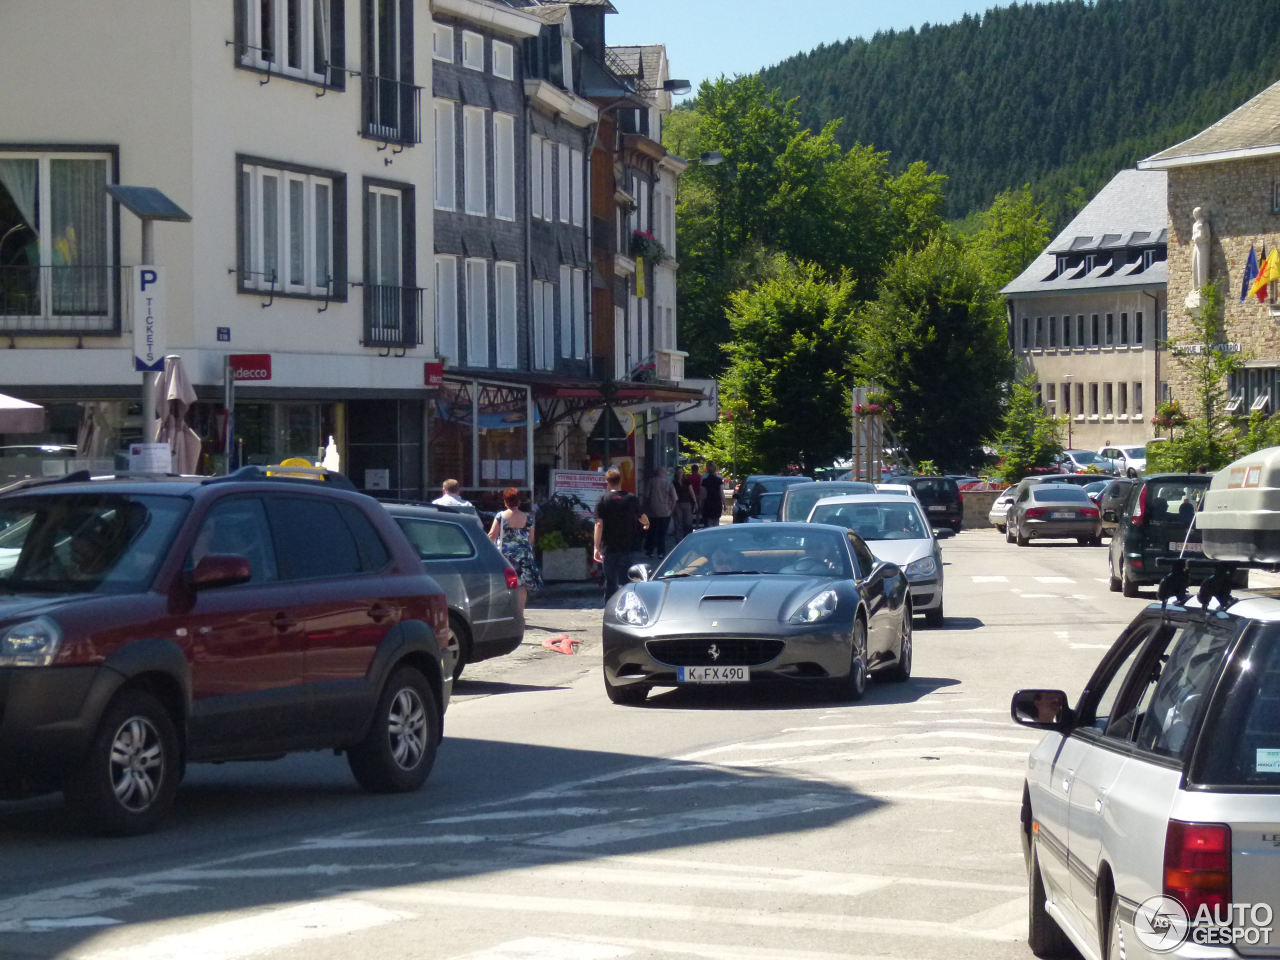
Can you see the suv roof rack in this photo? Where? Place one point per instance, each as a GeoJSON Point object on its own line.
{"type": "Point", "coordinates": [82, 476]}
{"type": "Point", "coordinates": [286, 474]}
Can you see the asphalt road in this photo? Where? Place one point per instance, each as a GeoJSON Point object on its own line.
{"type": "Point", "coordinates": [713, 823]}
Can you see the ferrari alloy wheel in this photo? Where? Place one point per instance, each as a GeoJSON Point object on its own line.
{"type": "Point", "coordinates": [901, 671]}
{"type": "Point", "coordinates": [854, 684]}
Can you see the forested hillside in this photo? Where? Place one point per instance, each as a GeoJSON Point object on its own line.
{"type": "Point", "coordinates": [1059, 95]}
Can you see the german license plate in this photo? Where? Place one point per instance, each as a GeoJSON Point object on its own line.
{"type": "Point", "coordinates": [1176, 547]}
{"type": "Point", "coordinates": [713, 674]}
{"type": "Point", "coordinates": [1062, 515]}
{"type": "Point", "coordinates": [937, 508]}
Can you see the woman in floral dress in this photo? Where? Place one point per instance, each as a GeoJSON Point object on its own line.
{"type": "Point", "coordinates": [512, 531]}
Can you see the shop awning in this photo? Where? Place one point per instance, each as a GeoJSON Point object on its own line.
{"type": "Point", "coordinates": [19, 416]}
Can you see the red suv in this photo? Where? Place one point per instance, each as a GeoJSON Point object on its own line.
{"type": "Point", "coordinates": [151, 622]}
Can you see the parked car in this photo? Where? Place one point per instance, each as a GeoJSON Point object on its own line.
{"type": "Point", "coordinates": [1053, 511]}
{"type": "Point", "coordinates": [765, 507]}
{"type": "Point", "coordinates": [896, 489]}
{"type": "Point", "coordinates": [897, 530]}
{"type": "Point", "coordinates": [1000, 508]}
{"type": "Point", "coordinates": [1078, 461]}
{"type": "Point", "coordinates": [811, 605]}
{"type": "Point", "coordinates": [480, 586]}
{"type": "Point", "coordinates": [749, 505]}
{"type": "Point", "coordinates": [151, 623]}
{"type": "Point", "coordinates": [1094, 490]}
{"type": "Point", "coordinates": [741, 500]}
{"type": "Point", "coordinates": [942, 500]}
{"type": "Point", "coordinates": [798, 499]}
{"type": "Point", "coordinates": [1111, 501]}
{"type": "Point", "coordinates": [1154, 523]}
{"type": "Point", "coordinates": [1153, 804]}
{"type": "Point", "coordinates": [1130, 461]}
{"type": "Point", "coordinates": [1072, 479]}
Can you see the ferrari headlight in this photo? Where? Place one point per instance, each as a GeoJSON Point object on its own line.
{"type": "Point", "coordinates": [32, 643]}
{"type": "Point", "coordinates": [921, 569]}
{"type": "Point", "coordinates": [631, 609]}
{"type": "Point", "coordinates": [817, 608]}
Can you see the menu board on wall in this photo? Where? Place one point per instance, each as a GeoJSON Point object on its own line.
{"type": "Point", "coordinates": [587, 485]}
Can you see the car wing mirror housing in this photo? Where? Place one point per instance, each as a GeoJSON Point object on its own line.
{"type": "Point", "coordinates": [1109, 516]}
{"type": "Point", "coordinates": [639, 573]}
{"type": "Point", "coordinates": [221, 570]}
{"type": "Point", "coordinates": [1041, 709]}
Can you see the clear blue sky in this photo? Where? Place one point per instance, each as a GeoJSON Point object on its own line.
{"type": "Point", "coordinates": [706, 38]}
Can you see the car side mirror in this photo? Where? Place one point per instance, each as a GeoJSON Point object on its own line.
{"type": "Point", "coordinates": [1110, 516]}
{"type": "Point", "coordinates": [1041, 709]}
{"type": "Point", "coordinates": [221, 570]}
{"type": "Point", "coordinates": [639, 572]}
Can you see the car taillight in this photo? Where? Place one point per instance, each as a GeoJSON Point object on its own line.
{"type": "Point", "coordinates": [1035, 513]}
{"type": "Point", "coordinates": [1140, 508]}
{"type": "Point", "coordinates": [1089, 512]}
{"type": "Point", "coordinates": [513, 578]}
{"type": "Point", "coordinates": [1197, 865]}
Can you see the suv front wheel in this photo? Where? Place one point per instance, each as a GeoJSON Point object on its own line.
{"type": "Point", "coordinates": [399, 751]}
{"type": "Point", "coordinates": [129, 777]}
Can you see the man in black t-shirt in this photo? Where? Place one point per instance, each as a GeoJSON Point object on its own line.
{"type": "Point", "coordinates": [617, 515]}
{"type": "Point", "coordinates": [712, 497]}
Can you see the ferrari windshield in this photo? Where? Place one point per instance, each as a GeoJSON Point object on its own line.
{"type": "Point", "coordinates": [85, 543]}
{"type": "Point", "coordinates": [759, 549]}
{"type": "Point", "coordinates": [892, 520]}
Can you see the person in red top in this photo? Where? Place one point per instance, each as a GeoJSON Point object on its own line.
{"type": "Point", "coordinates": [695, 481]}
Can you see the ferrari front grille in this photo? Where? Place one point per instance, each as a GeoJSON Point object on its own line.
{"type": "Point", "coordinates": [717, 651]}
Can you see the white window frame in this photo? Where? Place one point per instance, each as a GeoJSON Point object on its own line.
{"type": "Point", "coordinates": [504, 60]}
{"type": "Point", "coordinates": [505, 277]}
{"type": "Point", "coordinates": [566, 202]}
{"type": "Point", "coordinates": [504, 165]}
{"type": "Point", "coordinates": [477, 312]}
{"type": "Point", "coordinates": [253, 273]}
{"type": "Point", "coordinates": [446, 186]}
{"type": "Point", "coordinates": [619, 344]}
{"type": "Point", "coordinates": [575, 187]}
{"type": "Point", "coordinates": [442, 42]}
{"type": "Point", "coordinates": [548, 178]}
{"type": "Point", "coordinates": [446, 308]}
{"type": "Point", "coordinates": [633, 333]}
{"type": "Point", "coordinates": [474, 155]}
{"type": "Point", "coordinates": [580, 314]}
{"type": "Point", "coordinates": [566, 311]}
{"type": "Point", "coordinates": [472, 50]}
{"type": "Point", "coordinates": [309, 25]}
{"type": "Point", "coordinates": [535, 176]}
{"type": "Point", "coordinates": [549, 330]}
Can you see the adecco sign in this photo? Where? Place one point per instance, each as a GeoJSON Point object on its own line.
{"type": "Point", "coordinates": [250, 366]}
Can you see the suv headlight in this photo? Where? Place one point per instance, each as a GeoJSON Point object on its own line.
{"type": "Point", "coordinates": [921, 569]}
{"type": "Point", "coordinates": [816, 608]}
{"type": "Point", "coordinates": [629, 608]}
{"type": "Point", "coordinates": [32, 643]}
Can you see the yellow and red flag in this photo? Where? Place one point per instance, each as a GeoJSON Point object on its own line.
{"type": "Point", "coordinates": [1267, 273]}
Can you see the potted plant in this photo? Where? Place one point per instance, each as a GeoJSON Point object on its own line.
{"type": "Point", "coordinates": [564, 537]}
{"type": "Point", "coordinates": [644, 245]}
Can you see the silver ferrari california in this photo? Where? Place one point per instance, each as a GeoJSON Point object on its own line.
{"type": "Point", "coordinates": [759, 603]}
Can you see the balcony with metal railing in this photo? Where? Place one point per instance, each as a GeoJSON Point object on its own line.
{"type": "Point", "coordinates": [391, 110]}
{"type": "Point", "coordinates": [392, 316]}
{"type": "Point", "coordinates": [58, 300]}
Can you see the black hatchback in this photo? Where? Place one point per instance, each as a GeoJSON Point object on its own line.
{"type": "Point", "coordinates": [941, 499]}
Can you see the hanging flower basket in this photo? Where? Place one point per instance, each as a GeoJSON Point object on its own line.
{"type": "Point", "coordinates": [645, 245]}
{"type": "Point", "coordinates": [1169, 415]}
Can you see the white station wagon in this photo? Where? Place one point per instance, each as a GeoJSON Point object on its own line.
{"type": "Point", "coordinates": [1151, 810]}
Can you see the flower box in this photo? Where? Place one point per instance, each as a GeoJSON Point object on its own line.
{"type": "Point", "coordinates": [571, 563]}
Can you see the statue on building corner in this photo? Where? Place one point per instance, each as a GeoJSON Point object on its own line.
{"type": "Point", "coordinates": [1199, 256]}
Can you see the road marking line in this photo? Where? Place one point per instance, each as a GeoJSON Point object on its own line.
{"type": "Point", "coordinates": [1091, 646]}
{"type": "Point", "coordinates": [256, 934]}
{"type": "Point", "coordinates": [1054, 580]}
{"type": "Point", "coordinates": [547, 948]}
{"type": "Point", "coordinates": [990, 579]}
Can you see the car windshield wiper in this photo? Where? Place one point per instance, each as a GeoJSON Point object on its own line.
{"type": "Point", "coordinates": [735, 573]}
{"type": "Point", "coordinates": [672, 576]}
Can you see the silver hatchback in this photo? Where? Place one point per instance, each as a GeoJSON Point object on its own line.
{"type": "Point", "coordinates": [1151, 810]}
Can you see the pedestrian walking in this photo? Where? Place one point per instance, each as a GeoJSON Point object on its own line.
{"type": "Point", "coordinates": [659, 504]}
{"type": "Point", "coordinates": [712, 496]}
{"type": "Point", "coordinates": [618, 514]}
{"type": "Point", "coordinates": [695, 483]}
{"type": "Point", "coordinates": [512, 531]}
{"type": "Point", "coordinates": [685, 502]}
{"type": "Point", "coordinates": [449, 495]}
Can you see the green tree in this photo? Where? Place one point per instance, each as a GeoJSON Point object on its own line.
{"type": "Point", "coordinates": [1029, 438]}
{"type": "Point", "coordinates": [1209, 438]}
{"type": "Point", "coordinates": [934, 340]}
{"type": "Point", "coordinates": [1011, 233]}
{"type": "Point", "coordinates": [788, 382]}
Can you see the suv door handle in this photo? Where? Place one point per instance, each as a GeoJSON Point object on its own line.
{"type": "Point", "coordinates": [379, 612]}
{"type": "Point", "coordinates": [283, 622]}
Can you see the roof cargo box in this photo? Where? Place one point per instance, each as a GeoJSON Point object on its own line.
{"type": "Point", "coordinates": [1240, 519]}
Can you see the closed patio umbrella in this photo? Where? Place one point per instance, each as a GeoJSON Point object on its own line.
{"type": "Point", "coordinates": [174, 397]}
{"type": "Point", "coordinates": [20, 416]}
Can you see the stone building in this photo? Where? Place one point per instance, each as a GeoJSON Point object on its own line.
{"type": "Point", "coordinates": [1231, 170]}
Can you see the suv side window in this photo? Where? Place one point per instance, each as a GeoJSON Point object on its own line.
{"type": "Point", "coordinates": [435, 539]}
{"type": "Point", "coordinates": [236, 525]}
{"type": "Point", "coordinates": [373, 552]}
{"type": "Point", "coordinates": [311, 538]}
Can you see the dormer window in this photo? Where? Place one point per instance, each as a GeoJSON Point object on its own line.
{"type": "Point", "coordinates": [1148, 258]}
{"type": "Point", "coordinates": [1090, 261]}
{"type": "Point", "coordinates": [1062, 264]}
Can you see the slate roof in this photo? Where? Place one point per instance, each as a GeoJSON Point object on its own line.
{"type": "Point", "coordinates": [1130, 211]}
{"type": "Point", "coordinates": [1250, 129]}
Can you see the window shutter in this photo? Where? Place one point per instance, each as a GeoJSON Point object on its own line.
{"type": "Point", "coordinates": [337, 44]}
{"type": "Point", "coordinates": [240, 28]}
